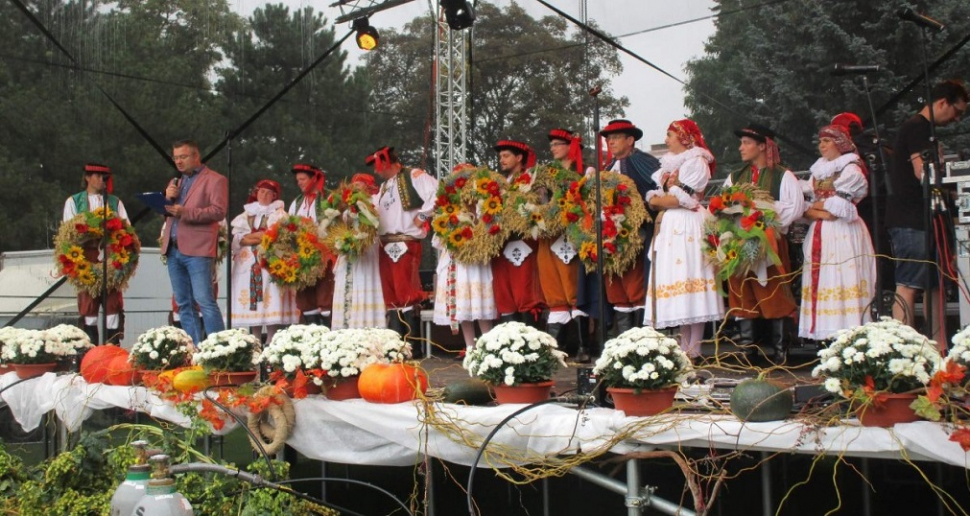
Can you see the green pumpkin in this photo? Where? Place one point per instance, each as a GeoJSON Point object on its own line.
{"type": "Point", "coordinates": [758, 400]}
{"type": "Point", "coordinates": [469, 392]}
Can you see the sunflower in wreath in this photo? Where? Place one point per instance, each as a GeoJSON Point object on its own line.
{"type": "Point", "coordinates": [348, 220]}
{"type": "Point", "coordinates": [77, 248]}
{"type": "Point", "coordinates": [741, 234]}
{"type": "Point", "coordinates": [470, 216]}
{"type": "Point", "coordinates": [531, 198]}
{"type": "Point", "coordinates": [293, 253]}
{"type": "Point", "coordinates": [623, 212]}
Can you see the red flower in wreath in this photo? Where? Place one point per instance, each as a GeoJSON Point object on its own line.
{"type": "Point", "coordinates": [291, 227]}
{"type": "Point", "coordinates": [572, 217]}
{"type": "Point", "coordinates": [487, 218]}
{"type": "Point", "coordinates": [493, 189]}
{"type": "Point", "coordinates": [609, 247]}
{"type": "Point", "coordinates": [460, 182]}
{"type": "Point", "coordinates": [621, 187]}
{"type": "Point", "coordinates": [494, 229]}
{"type": "Point", "coordinates": [81, 228]}
{"type": "Point", "coordinates": [523, 179]}
{"type": "Point", "coordinates": [717, 204]}
{"type": "Point", "coordinates": [752, 220]}
{"type": "Point", "coordinates": [114, 224]}
{"type": "Point", "coordinates": [450, 190]}
{"type": "Point", "coordinates": [467, 232]}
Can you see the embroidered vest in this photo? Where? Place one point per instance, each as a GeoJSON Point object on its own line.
{"type": "Point", "coordinates": [81, 202]}
{"type": "Point", "coordinates": [769, 179]}
{"type": "Point", "coordinates": [410, 199]}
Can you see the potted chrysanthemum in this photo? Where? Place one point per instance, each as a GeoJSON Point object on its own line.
{"type": "Point", "coordinates": [293, 359]}
{"type": "Point", "coordinates": [7, 336]}
{"type": "Point", "coordinates": [642, 369]}
{"type": "Point", "coordinates": [959, 354]}
{"type": "Point", "coordinates": [344, 354]}
{"type": "Point", "coordinates": [880, 366]}
{"type": "Point", "coordinates": [160, 349]}
{"type": "Point", "coordinates": [35, 352]}
{"type": "Point", "coordinates": [517, 360]}
{"type": "Point", "coordinates": [229, 356]}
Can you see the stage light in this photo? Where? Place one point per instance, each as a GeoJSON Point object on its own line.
{"type": "Point", "coordinates": [367, 37]}
{"type": "Point", "coordinates": [458, 13]}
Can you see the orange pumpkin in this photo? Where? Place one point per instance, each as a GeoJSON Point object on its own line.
{"type": "Point", "coordinates": [392, 383]}
{"type": "Point", "coordinates": [96, 364]}
{"type": "Point", "coordinates": [120, 371]}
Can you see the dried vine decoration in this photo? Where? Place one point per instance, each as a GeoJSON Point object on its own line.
{"type": "Point", "coordinates": [471, 216]}
{"type": "Point", "coordinates": [76, 250]}
{"type": "Point", "coordinates": [622, 215]}
{"type": "Point", "coordinates": [348, 220]}
{"type": "Point", "coordinates": [531, 197]}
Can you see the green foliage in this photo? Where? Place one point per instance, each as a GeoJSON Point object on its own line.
{"type": "Point", "coordinates": [519, 90]}
{"type": "Point", "coordinates": [771, 64]}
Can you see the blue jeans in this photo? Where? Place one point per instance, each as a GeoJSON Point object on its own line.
{"type": "Point", "coordinates": [192, 284]}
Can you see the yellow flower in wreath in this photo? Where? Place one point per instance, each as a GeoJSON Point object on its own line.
{"type": "Point", "coordinates": [266, 241]}
{"type": "Point", "coordinates": [306, 252]}
{"type": "Point", "coordinates": [75, 254]}
{"type": "Point", "coordinates": [587, 249]}
{"type": "Point", "coordinates": [440, 224]}
{"type": "Point", "coordinates": [290, 275]}
{"type": "Point", "coordinates": [731, 255]}
{"type": "Point", "coordinates": [82, 267]}
{"type": "Point", "coordinates": [451, 209]}
{"type": "Point", "coordinates": [493, 205]}
{"type": "Point", "coordinates": [122, 256]}
{"type": "Point", "coordinates": [456, 239]}
{"type": "Point", "coordinates": [536, 218]}
{"type": "Point", "coordinates": [623, 232]}
{"type": "Point", "coordinates": [481, 185]}
{"type": "Point", "coordinates": [86, 277]}
{"type": "Point", "coordinates": [276, 268]}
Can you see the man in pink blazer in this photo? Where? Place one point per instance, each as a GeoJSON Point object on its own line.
{"type": "Point", "coordinates": [200, 199]}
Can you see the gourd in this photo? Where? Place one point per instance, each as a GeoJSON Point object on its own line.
{"type": "Point", "coordinates": [392, 383]}
{"type": "Point", "coordinates": [758, 399]}
{"type": "Point", "coordinates": [470, 392]}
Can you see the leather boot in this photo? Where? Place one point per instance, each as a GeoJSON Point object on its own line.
{"type": "Point", "coordinates": [116, 334]}
{"type": "Point", "coordinates": [92, 332]}
{"type": "Point", "coordinates": [779, 343]}
{"type": "Point", "coordinates": [582, 353]}
{"type": "Point", "coordinates": [624, 321]}
{"type": "Point", "coordinates": [395, 321]}
{"type": "Point", "coordinates": [554, 329]}
{"type": "Point", "coordinates": [506, 318]}
{"type": "Point", "coordinates": [325, 320]}
{"type": "Point", "coordinates": [638, 316]}
{"type": "Point", "coordinates": [745, 340]}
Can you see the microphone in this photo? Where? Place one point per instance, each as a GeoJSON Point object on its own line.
{"type": "Point", "coordinates": [920, 19]}
{"type": "Point", "coordinates": [844, 69]}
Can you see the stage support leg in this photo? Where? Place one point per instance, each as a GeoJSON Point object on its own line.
{"type": "Point", "coordinates": [636, 497]}
{"type": "Point", "coordinates": [323, 483]}
{"type": "Point", "coordinates": [429, 485]}
{"type": "Point", "coordinates": [866, 489]}
{"type": "Point", "coordinates": [766, 508]}
{"type": "Point", "coordinates": [545, 497]}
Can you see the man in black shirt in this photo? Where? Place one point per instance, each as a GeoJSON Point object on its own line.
{"type": "Point", "coordinates": [905, 219]}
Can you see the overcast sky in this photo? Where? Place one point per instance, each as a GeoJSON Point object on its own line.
{"type": "Point", "coordinates": [655, 100]}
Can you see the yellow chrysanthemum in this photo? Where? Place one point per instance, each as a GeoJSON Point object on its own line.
{"type": "Point", "coordinates": [493, 206]}
{"type": "Point", "coordinates": [75, 254]}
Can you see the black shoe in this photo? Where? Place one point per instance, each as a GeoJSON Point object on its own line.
{"type": "Point", "coordinates": [776, 337]}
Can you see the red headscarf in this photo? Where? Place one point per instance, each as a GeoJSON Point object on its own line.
{"type": "Point", "coordinates": [367, 180]}
{"type": "Point", "coordinates": [689, 135]}
{"type": "Point", "coordinates": [381, 158]}
{"type": "Point", "coordinates": [840, 136]}
{"type": "Point", "coordinates": [268, 184]}
{"type": "Point", "coordinates": [316, 186]}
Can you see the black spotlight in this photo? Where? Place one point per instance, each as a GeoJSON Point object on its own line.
{"type": "Point", "coordinates": [458, 13]}
{"type": "Point", "coordinates": [367, 37]}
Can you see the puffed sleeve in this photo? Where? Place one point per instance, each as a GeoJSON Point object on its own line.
{"type": "Point", "coordinates": [70, 210]}
{"type": "Point", "coordinates": [239, 228]}
{"type": "Point", "coordinates": [694, 174]}
{"type": "Point", "coordinates": [850, 188]}
{"type": "Point", "coordinates": [790, 204]}
{"type": "Point", "coordinates": [427, 187]}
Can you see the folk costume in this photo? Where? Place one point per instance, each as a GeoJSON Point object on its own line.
{"type": "Point", "coordinates": [358, 298]}
{"type": "Point", "coordinates": [839, 277]}
{"type": "Point", "coordinates": [408, 195]}
{"type": "Point", "coordinates": [682, 289]}
{"type": "Point", "coordinates": [257, 301]}
{"type": "Point", "coordinates": [766, 294]}
{"type": "Point", "coordinates": [557, 258]}
{"type": "Point", "coordinates": [515, 270]}
{"type": "Point", "coordinates": [627, 293]}
{"type": "Point", "coordinates": [316, 302]}
{"type": "Point", "coordinates": [89, 306]}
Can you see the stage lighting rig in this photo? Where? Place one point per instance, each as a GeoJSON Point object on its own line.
{"type": "Point", "coordinates": [458, 13]}
{"type": "Point", "coordinates": [367, 37]}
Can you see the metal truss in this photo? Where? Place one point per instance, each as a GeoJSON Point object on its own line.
{"type": "Point", "coordinates": [451, 96]}
{"type": "Point", "coordinates": [353, 9]}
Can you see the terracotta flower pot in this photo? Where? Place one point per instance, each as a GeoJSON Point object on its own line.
{"type": "Point", "coordinates": [25, 371]}
{"type": "Point", "coordinates": [526, 393]}
{"type": "Point", "coordinates": [339, 389]}
{"type": "Point", "coordinates": [226, 378]}
{"type": "Point", "coordinates": [893, 409]}
{"type": "Point", "coordinates": [644, 403]}
{"type": "Point", "coordinates": [6, 368]}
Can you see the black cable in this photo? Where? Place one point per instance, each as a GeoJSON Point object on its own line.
{"type": "Point", "coordinates": [256, 440]}
{"type": "Point", "coordinates": [609, 41]}
{"type": "Point", "coordinates": [259, 112]}
{"type": "Point", "coordinates": [580, 400]}
{"type": "Point", "coordinates": [349, 481]}
{"type": "Point", "coordinates": [22, 380]}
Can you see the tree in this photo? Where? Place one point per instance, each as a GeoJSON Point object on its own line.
{"type": "Point", "coordinates": [529, 75]}
{"type": "Point", "coordinates": [320, 121]}
{"type": "Point", "coordinates": [770, 64]}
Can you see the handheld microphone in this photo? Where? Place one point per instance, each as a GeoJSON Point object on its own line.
{"type": "Point", "coordinates": [844, 69]}
{"type": "Point", "coordinates": [920, 19]}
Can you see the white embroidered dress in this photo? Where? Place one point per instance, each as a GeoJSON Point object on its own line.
{"type": "Point", "coordinates": [358, 301]}
{"type": "Point", "coordinates": [681, 280]}
{"type": "Point", "coordinates": [278, 306]}
{"type": "Point", "coordinates": [839, 274]}
{"type": "Point", "coordinates": [463, 292]}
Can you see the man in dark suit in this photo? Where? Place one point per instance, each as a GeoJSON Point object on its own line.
{"type": "Point", "coordinates": [190, 236]}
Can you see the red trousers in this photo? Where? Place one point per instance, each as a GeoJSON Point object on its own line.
{"type": "Point", "coordinates": [400, 280]}
{"type": "Point", "coordinates": [319, 296]}
{"type": "Point", "coordinates": [517, 288]}
{"type": "Point", "coordinates": [557, 279]}
{"type": "Point", "coordinates": [628, 290]}
{"type": "Point", "coordinates": [747, 298]}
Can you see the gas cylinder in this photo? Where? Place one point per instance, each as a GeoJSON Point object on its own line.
{"type": "Point", "coordinates": [133, 488]}
{"type": "Point", "coordinates": [160, 498]}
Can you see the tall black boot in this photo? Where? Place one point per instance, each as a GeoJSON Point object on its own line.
{"type": "Point", "coordinates": [638, 316]}
{"type": "Point", "coordinates": [92, 331]}
{"type": "Point", "coordinates": [412, 319]}
{"type": "Point", "coordinates": [325, 320]}
{"type": "Point", "coordinates": [582, 336]}
{"type": "Point", "coordinates": [554, 329]}
{"type": "Point", "coordinates": [395, 322]}
{"type": "Point", "coordinates": [116, 334]}
{"type": "Point", "coordinates": [779, 343]}
{"type": "Point", "coordinates": [624, 321]}
{"type": "Point", "coordinates": [506, 318]}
